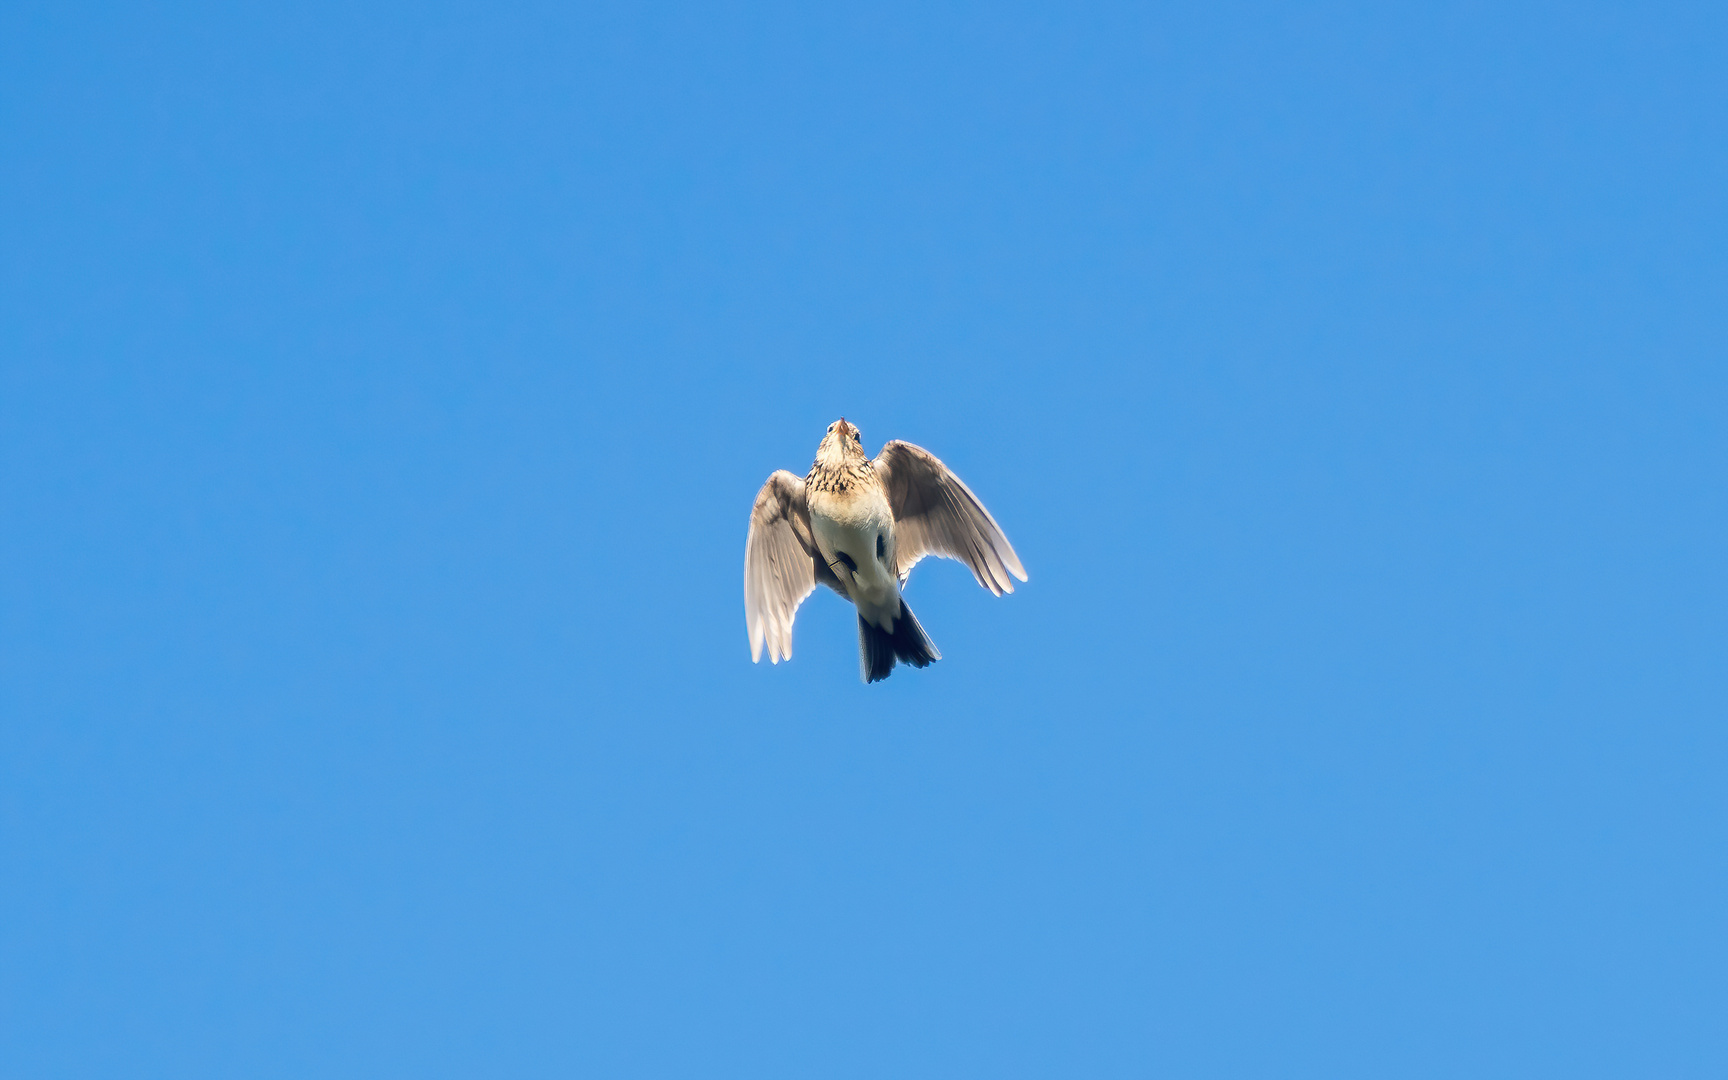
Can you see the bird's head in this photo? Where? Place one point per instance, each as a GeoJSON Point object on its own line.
{"type": "Point", "coordinates": [842, 443]}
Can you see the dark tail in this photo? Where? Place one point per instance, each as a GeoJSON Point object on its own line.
{"type": "Point", "coordinates": [878, 649]}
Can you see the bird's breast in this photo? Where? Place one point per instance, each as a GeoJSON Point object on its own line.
{"type": "Point", "coordinates": [859, 506]}
{"type": "Point", "coordinates": [856, 535]}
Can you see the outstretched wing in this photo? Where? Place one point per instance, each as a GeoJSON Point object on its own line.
{"type": "Point", "coordinates": [779, 565]}
{"type": "Point", "coordinates": [936, 514]}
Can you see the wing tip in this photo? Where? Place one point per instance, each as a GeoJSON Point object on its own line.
{"type": "Point", "coordinates": [776, 653]}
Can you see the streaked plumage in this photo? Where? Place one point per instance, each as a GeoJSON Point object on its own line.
{"type": "Point", "coordinates": [859, 526]}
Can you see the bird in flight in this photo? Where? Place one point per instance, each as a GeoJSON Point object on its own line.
{"type": "Point", "coordinates": [859, 526]}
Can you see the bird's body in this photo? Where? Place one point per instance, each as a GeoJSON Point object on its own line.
{"type": "Point", "coordinates": [858, 526]}
{"type": "Point", "coordinates": [854, 531]}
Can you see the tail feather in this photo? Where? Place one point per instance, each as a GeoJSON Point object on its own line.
{"type": "Point", "coordinates": [878, 649]}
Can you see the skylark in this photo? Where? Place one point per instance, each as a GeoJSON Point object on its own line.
{"type": "Point", "coordinates": [859, 526]}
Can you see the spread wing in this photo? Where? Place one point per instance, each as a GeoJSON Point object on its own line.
{"type": "Point", "coordinates": [936, 514]}
{"type": "Point", "coordinates": [779, 565]}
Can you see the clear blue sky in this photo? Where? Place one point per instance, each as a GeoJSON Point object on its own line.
{"type": "Point", "coordinates": [383, 390]}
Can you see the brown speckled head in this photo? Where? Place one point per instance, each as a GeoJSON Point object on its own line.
{"type": "Point", "coordinates": [842, 447]}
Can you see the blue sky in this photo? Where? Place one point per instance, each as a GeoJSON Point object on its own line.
{"type": "Point", "coordinates": [382, 395]}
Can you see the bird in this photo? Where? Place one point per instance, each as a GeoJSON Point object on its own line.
{"type": "Point", "coordinates": [859, 526]}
